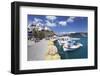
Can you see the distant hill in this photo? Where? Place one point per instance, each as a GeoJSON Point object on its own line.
{"type": "Point", "coordinates": [79, 34]}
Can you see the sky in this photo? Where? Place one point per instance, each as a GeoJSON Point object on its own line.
{"type": "Point", "coordinates": [60, 24]}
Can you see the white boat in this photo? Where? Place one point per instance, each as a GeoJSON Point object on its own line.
{"type": "Point", "coordinates": [72, 47]}
{"type": "Point", "coordinates": [69, 44]}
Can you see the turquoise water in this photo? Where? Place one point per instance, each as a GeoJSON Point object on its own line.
{"type": "Point", "coordinates": [81, 52]}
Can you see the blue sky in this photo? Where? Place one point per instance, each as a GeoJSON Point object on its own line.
{"type": "Point", "coordinates": [61, 24]}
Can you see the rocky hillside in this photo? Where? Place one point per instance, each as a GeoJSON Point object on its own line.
{"type": "Point", "coordinates": [40, 32]}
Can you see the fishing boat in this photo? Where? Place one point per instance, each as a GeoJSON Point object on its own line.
{"type": "Point", "coordinates": [72, 47]}
{"type": "Point", "coordinates": [68, 44]}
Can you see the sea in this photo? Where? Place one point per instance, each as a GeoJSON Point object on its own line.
{"type": "Point", "coordinates": [79, 53]}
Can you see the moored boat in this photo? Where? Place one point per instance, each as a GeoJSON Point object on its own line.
{"type": "Point", "coordinates": [71, 48]}
{"type": "Point", "coordinates": [69, 44]}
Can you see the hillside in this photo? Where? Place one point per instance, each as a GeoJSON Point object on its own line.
{"type": "Point", "coordinates": [40, 32]}
{"type": "Point", "coordinates": [79, 34]}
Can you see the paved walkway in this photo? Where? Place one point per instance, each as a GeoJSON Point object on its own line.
{"type": "Point", "coordinates": [36, 51]}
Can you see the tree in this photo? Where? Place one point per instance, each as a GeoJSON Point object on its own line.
{"type": "Point", "coordinates": [38, 34]}
{"type": "Point", "coordinates": [41, 35]}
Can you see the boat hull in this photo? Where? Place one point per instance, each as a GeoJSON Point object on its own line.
{"type": "Point", "coordinates": [72, 48]}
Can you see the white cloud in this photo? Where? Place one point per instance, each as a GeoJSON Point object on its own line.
{"type": "Point", "coordinates": [70, 19]}
{"type": "Point", "coordinates": [37, 19]}
{"type": "Point", "coordinates": [51, 24]}
{"type": "Point", "coordinates": [63, 32]}
{"type": "Point", "coordinates": [34, 22]}
{"type": "Point", "coordinates": [51, 17]}
{"type": "Point", "coordinates": [50, 21]}
{"type": "Point", "coordinates": [63, 23]}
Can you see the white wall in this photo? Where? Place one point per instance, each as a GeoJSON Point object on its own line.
{"type": "Point", "coordinates": [5, 27]}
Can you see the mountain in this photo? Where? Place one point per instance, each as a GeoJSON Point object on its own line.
{"type": "Point", "coordinates": [77, 34]}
